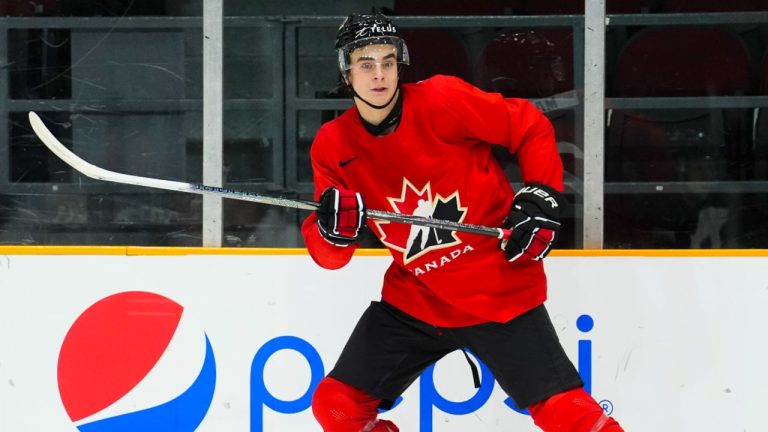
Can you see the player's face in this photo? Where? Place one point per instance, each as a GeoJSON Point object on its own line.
{"type": "Point", "coordinates": [373, 72]}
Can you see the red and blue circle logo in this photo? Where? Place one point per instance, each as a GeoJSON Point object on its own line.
{"type": "Point", "coordinates": [115, 348]}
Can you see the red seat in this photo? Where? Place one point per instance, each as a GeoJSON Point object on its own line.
{"type": "Point", "coordinates": [672, 145]}
{"type": "Point", "coordinates": [29, 8]}
{"type": "Point", "coordinates": [675, 145]}
{"type": "Point", "coordinates": [530, 63]}
{"type": "Point", "coordinates": [576, 7]}
{"type": "Point", "coordinates": [760, 136]}
{"type": "Point", "coordinates": [456, 7]}
{"type": "Point", "coordinates": [434, 51]}
{"type": "Point", "coordinates": [763, 80]}
{"type": "Point", "coordinates": [631, 6]}
{"type": "Point", "coordinates": [683, 6]}
{"type": "Point", "coordinates": [682, 62]}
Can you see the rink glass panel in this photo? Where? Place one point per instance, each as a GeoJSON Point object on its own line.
{"type": "Point", "coordinates": [684, 171]}
{"type": "Point", "coordinates": [685, 140]}
{"type": "Point", "coordinates": [117, 105]}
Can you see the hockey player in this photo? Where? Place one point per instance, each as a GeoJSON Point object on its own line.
{"type": "Point", "coordinates": [425, 149]}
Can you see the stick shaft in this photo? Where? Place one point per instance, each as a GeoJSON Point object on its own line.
{"type": "Point", "coordinates": [98, 173]}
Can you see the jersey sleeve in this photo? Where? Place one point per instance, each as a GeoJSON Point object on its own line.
{"type": "Point", "coordinates": [324, 253]}
{"type": "Point", "coordinates": [513, 123]}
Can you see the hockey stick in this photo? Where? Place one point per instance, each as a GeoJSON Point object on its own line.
{"type": "Point", "coordinates": [93, 171]}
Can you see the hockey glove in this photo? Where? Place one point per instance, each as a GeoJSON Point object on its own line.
{"type": "Point", "coordinates": [534, 221]}
{"type": "Point", "coordinates": [340, 216]}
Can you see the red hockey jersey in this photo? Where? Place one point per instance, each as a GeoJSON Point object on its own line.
{"type": "Point", "coordinates": [438, 163]}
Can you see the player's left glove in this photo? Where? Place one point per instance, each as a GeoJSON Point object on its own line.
{"type": "Point", "coordinates": [340, 216]}
{"type": "Point", "coordinates": [534, 221]}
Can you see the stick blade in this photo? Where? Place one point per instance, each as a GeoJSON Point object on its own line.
{"type": "Point", "coordinates": [49, 139]}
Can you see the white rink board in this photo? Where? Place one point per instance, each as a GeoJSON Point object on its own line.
{"type": "Point", "coordinates": [678, 344]}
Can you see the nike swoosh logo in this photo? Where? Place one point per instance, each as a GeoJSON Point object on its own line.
{"type": "Point", "coordinates": [343, 163]}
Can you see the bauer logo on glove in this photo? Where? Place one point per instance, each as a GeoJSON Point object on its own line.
{"type": "Point", "coordinates": [534, 221]}
{"type": "Point", "coordinates": [340, 216]}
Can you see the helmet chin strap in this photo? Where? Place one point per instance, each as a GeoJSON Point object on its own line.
{"type": "Point", "coordinates": [355, 94]}
{"type": "Point", "coordinates": [370, 104]}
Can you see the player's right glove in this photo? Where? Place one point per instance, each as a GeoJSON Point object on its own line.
{"type": "Point", "coordinates": [534, 221]}
{"type": "Point", "coordinates": [340, 216]}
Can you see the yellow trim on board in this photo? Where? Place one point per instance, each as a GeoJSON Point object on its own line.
{"type": "Point", "coordinates": [62, 250]}
{"type": "Point", "coordinates": [177, 251]}
{"type": "Point", "coordinates": [682, 253]}
{"type": "Point", "coordinates": [144, 250]}
{"type": "Point", "coordinates": [147, 250]}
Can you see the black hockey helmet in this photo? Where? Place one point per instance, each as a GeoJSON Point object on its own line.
{"type": "Point", "coordinates": [360, 30]}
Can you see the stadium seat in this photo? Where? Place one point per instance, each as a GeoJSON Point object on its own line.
{"type": "Point", "coordinates": [528, 63]}
{"type": "Point", "coordinates": [434, 51]}
{"type": "Point", "coordinates": [531, 63]}
{"type": "Point", "coordinates": [576, 7]}
{"type": "Point", "coordinates": [682, 62]}
{"type": "Point", "coordinates": [676, 145]}
{"type": "Point", "coordinates": [677, 62]}
{"type": "Point", "coordinates": [700, 6]}
{"type": "Point", "coordinates": [760, 135]}
{"type": "Point", "coordinates": [29, 8]}
{"type": "Point", "coordinates": [631, 6]}
{"type": "Point", "coordinates": [763, 85]}
{"type": "Point", "coordinates": [456, 7]}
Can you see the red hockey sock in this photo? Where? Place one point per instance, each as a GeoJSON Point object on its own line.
{"type": "Point", "coordinates": [339, 407]}
{"type": "Point", "coordinates": [572, 411]}
{"type": "Point", "coordinates": [381, 426]}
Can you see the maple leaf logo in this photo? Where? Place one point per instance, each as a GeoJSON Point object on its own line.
{"type": "Point", "coordinates": [414, 241]}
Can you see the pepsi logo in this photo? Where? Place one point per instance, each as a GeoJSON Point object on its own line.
{"type": "Point", "coordinates": [133, 362]}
